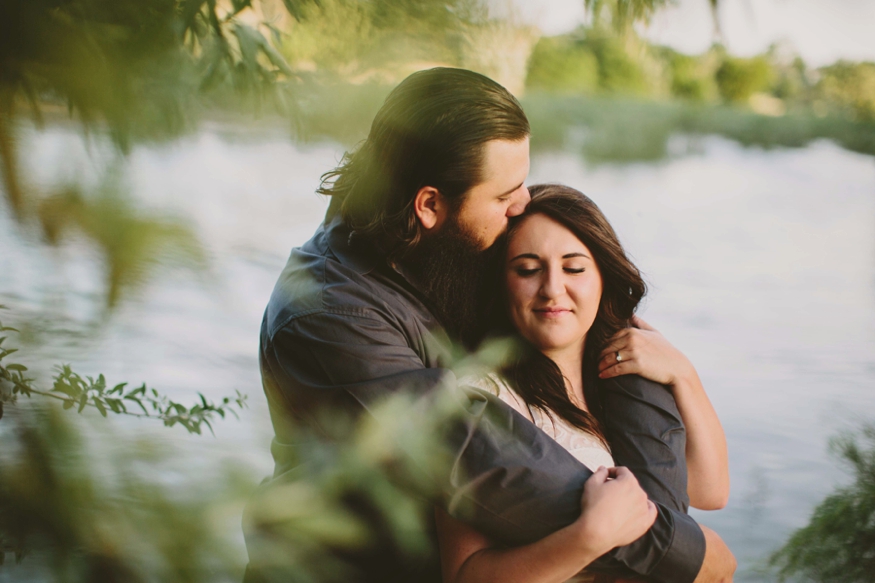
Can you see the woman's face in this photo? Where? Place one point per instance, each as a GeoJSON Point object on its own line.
{"type": "Point", "coordinates": [553, 284]}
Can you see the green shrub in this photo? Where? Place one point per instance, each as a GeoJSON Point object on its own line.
{"type": "Point", "coordinates": [838, 545]}
{"type": "Point", "coordinates": [558, 64]}
{"type": "Point", "coordinates": [738, 79]}
{"type": "Point", "coordinates": [690, 79]}
{"type": "Point", "coordinates": [849, 87]}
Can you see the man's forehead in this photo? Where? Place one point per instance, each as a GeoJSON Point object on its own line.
{"type": "Point", "coordinates": [506, 160]}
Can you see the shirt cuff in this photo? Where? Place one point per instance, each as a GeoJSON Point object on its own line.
{"type": "Point", "coordinates": [683, 559]}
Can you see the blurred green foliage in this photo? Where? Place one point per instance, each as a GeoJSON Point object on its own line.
{"type": "Point", "coordinates": [70, 511]}
{"type": "Point", "coordinates": [562, 65]}
{"type": "Point", "coordinates": [593, 60]}
{"type": "Point", "coordinates": [838, 544]}
{"type": "Point", "coordinates": [849, 88]}
{"type": "Point", "coordinates": [352, 38]}
{"type": "Point", "coordinates": [133, 242]}
{"type": "Point", "coordinates": [738, 79]}
{"type": "Point", "coordinates": [615, 130]}
{"type": "Point", "coordinates": [73, 390]}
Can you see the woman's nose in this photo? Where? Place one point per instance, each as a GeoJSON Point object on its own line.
{"type": "Point", "coordinates": [551, 285]}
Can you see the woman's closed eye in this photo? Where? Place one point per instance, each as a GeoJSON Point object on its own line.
{"type": "Point", "coordinates": [530, 271]}
{"type": "Point", "coordinates": [526, 271]}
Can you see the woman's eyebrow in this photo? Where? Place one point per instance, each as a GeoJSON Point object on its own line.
{"type": "Point", "coordinates": [570, 255]}
{"type": "Point", "coordinates": [525, 256]}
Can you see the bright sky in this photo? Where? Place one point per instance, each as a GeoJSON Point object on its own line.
{"type": "Point", "coordinates": [822, 31]}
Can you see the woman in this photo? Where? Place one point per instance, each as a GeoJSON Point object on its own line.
{"type": "Point", "coordinates": [571, 296]}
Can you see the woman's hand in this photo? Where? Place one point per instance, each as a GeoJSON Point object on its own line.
{"type": "Point", "coordinates": [615, 510]}
{"type": "Point", "coordinates": [646, 352]}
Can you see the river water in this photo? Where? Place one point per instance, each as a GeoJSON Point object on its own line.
{"type": "Point", "coordinates": [761, 267]}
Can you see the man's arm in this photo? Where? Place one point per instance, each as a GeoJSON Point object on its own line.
{"type": "Point", "coordinates": [645, 429]}
{"type": "Point", "coordinates": [517, 483]}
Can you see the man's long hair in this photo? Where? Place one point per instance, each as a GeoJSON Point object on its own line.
{"type": "Point", "coordinates": [430, 131]}
{"type": "Point", "coordinates": [533, 375]}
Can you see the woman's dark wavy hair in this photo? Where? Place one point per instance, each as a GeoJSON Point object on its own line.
{"type": "Point", "coordinates": [430, 131]}
{"type": "Point", "coordinates": [534, 376]}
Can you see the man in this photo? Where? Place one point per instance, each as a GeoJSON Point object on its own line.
{"type": "Point", "coordinates": [400, 266]}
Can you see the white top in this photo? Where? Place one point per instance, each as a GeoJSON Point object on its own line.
{"type": "Point", "coordinates": [582, 445]}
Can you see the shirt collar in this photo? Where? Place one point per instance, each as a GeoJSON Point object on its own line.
{"type": "Point", "coordinates": [352, 251]}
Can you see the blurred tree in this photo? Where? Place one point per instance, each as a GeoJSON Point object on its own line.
{"type": "Point", "coordinates": [838, 544]}
{"type": "Point", "coordinates": [849, 88]}
{"type": "Point", "coordinates": [738, 79]}
{"type": "Point", "coordinates": [134, 65]}
{"type": "Point", "coordinates": [692, 78]}
{"type": "Point", "coordinates": [561, 65]}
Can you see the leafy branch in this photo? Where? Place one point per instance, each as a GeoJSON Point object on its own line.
{"type": "Point", "coordinates": [73, 390]}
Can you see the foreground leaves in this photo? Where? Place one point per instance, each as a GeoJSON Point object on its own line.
{"type": "Point", "coordinates": [73, 390]}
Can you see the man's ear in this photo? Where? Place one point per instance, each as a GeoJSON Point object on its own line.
{"type": "Point", "coordinates": [430, 207]}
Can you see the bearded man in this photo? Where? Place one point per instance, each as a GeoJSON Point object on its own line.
{"type": "Point", "coordinates": [402, 266]}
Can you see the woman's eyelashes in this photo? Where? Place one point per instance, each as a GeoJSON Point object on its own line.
{"type": "Point", "coordinates": [525, 271]}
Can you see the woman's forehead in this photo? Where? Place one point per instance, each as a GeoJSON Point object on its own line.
{"type": "Point", "coordinates": [539, 231]}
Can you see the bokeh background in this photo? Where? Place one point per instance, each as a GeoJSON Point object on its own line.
{"type": "Point", "coordinates": [160, 159]}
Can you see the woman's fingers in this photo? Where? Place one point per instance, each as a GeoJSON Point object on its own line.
{"type": "Point", "coordinates": [616, 511]}
{"type": "Point", "coordinates": [619, 369]}
{"type": "Point", "coordinates": [640, 323]}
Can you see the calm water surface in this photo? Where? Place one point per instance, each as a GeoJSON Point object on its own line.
{"type": "Point", "coordinates": [761, 267]}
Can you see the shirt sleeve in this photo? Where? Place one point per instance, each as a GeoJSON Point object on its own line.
{"type": "Point", "coordinates": [509, 479]}
{"type": "Point", "coordinates": [647, 435]}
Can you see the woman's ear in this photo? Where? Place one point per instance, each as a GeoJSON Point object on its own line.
{"type": "Point", "coordinates": [430, 207]}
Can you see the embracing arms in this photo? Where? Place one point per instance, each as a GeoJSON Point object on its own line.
{"type": "Point", "coordinates": [614, 512]}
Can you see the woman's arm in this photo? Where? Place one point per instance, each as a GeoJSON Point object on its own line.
{"type": "Point", "coordinates": [644, 351]}
{"type": "Point", "coordinates": [615, 512]}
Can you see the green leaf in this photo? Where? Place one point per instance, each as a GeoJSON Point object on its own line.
{"type": "Point", "coordinates": [9, 329]}
{"type": "Point", "coordinates": [99, 405]}
{"type": "Point", "coordinates": [118, 388]}
{"type": "Point", "coordinates": [83, 400]}
{"type": "Point", "coordinates": [69, 403]}
{"type": "Point", "coordinates": [116, 405]}
{"type": "Point", "coordinates": [138, 402]}
{"type": "Point", "coordinates": [18, 367]}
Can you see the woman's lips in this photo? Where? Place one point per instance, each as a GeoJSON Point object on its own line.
{"type": "Point", "coordinates": [551, 312]}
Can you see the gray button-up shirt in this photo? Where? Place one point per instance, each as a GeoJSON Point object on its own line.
{"type": "Point", "coordinates": [344, 329]}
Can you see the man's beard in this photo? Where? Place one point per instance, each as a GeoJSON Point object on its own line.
{"type": "Point", "coordinates": [458, 278]}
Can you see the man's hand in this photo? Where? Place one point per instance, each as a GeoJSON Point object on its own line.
{"type": "Point", "coordinates": [646, 352]}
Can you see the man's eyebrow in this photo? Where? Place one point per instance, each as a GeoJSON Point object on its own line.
{"type": "Point", "coordinates": [511, 190]}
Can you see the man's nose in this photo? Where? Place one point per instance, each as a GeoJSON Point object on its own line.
{"type": "Point", "coordinates": [520, 203]}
